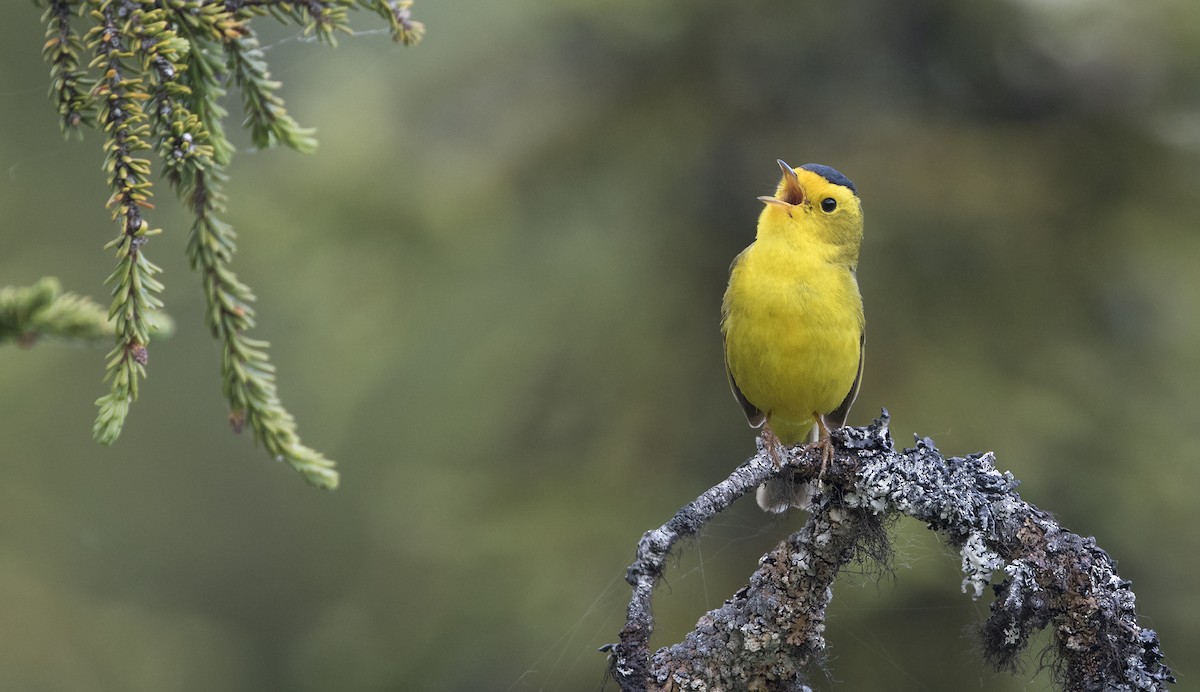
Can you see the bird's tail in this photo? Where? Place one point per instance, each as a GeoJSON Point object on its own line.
{"type": "Point", "coordinates": [781, 494]}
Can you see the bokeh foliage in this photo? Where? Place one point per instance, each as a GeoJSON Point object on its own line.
{"type": "Point", "coordinates": [498, 283]}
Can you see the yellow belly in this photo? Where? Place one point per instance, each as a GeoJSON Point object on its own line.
{"type": "Point", "coordinates": [792, 337]}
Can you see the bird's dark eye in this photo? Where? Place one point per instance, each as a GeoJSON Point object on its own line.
{"type": "Point", "coordinates": [828, 204]}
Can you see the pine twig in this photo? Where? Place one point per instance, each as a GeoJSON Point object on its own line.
{"type": "Point", "coordinates": [771, 629]}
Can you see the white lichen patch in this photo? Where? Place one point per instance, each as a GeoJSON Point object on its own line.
{"type": "Point", "coordinates": [802, 560]}
{"type": "Point", "coordinates": [978, 563]}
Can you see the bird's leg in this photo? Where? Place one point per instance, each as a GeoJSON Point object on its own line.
{"type": "Point", "coordinates": [779, 494]}
{"type": "Point", "coordinates": [772, 445]}
{"type": "Point", "coordinates": [824, 444]}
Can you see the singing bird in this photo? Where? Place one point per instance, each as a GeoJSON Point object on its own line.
{"type": "Point", "coordinates": [792, 317]}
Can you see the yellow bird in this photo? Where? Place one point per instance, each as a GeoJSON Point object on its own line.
{"type": "Point", "coordinates": [792, 317]}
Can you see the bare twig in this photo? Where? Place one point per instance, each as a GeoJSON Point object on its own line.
{"type": "Point", "coordinates": [772, 628]}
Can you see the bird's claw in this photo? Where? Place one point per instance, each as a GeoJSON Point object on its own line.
{"type": "Point", "coordinates": [772, 446]}
{"type": "Point", "coordinates": [824, 447]}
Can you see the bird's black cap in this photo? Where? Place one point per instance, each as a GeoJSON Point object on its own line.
{"type": "Point", "coordinates": [831, 175]}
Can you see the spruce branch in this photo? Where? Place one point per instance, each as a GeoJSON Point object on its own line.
{"type": "Point", "coordinates": [326, 18]}
{"type": "Point", "coordinates": [43, 310]}
{"type": "Point", "coordinates": [249, 376]}
{"type": "Point", "coordinates": [398, 14]}
{"type": "Point", "coordinates": [70, 86]}
{"type": "Point", "coordinates": [771, 629]}
{"type": "Point", "coordinates": [207, 28]}
{"type": "Point", "coordinates": [198, 177]}
{"type": "Point", "coordinates": [120, 93]}
{"type": "Point", "coordinates": [320, 18]}
{"type": "Point", "coordinates": [28, 313]}
{"type": "Point", "coordinates": [266, 115]}
{"type": "Point", "coordinates": [159, 72]}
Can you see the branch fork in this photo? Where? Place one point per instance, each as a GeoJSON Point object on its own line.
{"type": "Point", "coordinates": [771, 630]}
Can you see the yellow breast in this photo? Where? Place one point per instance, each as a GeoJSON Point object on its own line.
{"type": "Point", "coordinates": [792, 327]}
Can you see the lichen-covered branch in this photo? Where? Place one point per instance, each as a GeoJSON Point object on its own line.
{"type": "Point", "coordinates": [771, 629]}
{"type": "Point", "coordinates": [631, 657]}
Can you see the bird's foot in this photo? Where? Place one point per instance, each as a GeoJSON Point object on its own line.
{"type": "Point", "coordinates": [771, 445]}
{"type": "Point", "coordinates": [824, 447]}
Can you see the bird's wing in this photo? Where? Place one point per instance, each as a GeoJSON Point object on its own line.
{"type": "Point", "coordinates": [837, 417]}
{"type": "Point", "coordinates": [754, 416]}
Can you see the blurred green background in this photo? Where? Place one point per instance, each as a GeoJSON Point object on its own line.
{"type": "Point", "coordinates": [493, 298]}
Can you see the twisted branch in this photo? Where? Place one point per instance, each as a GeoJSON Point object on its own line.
{"type": "Point", "coordinates": [772, 628]}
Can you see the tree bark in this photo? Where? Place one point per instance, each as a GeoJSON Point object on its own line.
{"type": "Point", "coordinates": [772, 629]}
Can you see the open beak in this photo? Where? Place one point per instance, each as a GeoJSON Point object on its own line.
{"type": "Point", "coordinates": [790, 193]}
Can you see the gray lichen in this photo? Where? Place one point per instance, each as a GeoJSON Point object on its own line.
{"type": "Point", "coordinates": [771, 630]}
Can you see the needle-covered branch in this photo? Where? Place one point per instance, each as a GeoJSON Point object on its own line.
{"type": "Point", "coordinates": [120, 94]}
{"type": "Point", "coordinates": [157, 78]}
{"type": "Point", "coordinates": [69, 85]}
{"type": "Point", "coordinates": [44, 310]}
{"type": "Point", "coordinates": [768, 632]}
